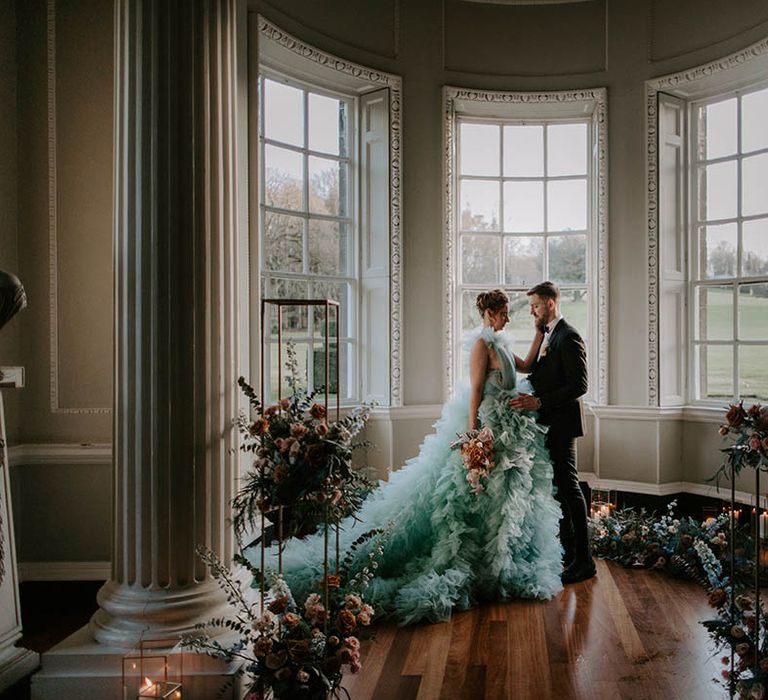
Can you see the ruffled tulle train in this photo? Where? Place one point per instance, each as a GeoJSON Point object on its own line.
{"type": "Point", "coordinates": [448, 548]}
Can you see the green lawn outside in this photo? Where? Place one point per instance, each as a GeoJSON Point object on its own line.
{"type": "Point", "coordinates": [716, 362]}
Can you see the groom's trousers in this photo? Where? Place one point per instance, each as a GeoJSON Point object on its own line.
{"type": "Point", "coordinates": [574, 530]}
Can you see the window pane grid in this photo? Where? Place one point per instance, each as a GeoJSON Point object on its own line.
{"type": "Point", "coordinates": [503, 248]}
{"type": "Point", "coordinates": [315, 221]}
{"type": "Point", "coordinates": [730, 277]}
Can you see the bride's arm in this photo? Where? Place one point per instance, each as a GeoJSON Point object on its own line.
{"type": "Point", "coordinates": [526, 365]}
{"type": "Point", "coordinates": [478, 364]}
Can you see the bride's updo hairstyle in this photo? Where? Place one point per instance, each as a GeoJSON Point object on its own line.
{"type": "Point", "coordinates": [494, 301]}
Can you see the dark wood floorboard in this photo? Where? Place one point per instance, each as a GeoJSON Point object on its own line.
{"type": "Point", "coordinates": [626, 634]}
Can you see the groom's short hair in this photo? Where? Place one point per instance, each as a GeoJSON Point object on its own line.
{"type": "Point", "coordinates": [546, 290]}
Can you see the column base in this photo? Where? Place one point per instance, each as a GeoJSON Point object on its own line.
{"type": "Point", "coordinates": [15, 663]}
{"type": "Point", "coordinates": [128, 614]}
{"type": "Point", "coordinates": [80, 667]}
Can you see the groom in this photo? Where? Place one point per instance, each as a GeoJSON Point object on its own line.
{"type": "Point", "coordinates": [559, 376]}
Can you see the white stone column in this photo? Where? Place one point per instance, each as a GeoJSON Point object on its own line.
{"type": "Point", "coordinates": [176, 315]}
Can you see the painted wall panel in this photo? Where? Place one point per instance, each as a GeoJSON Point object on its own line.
{"type": "Point", "coordinates": [498, 39]}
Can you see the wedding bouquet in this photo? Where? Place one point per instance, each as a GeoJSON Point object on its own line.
{"type": "Point", "coordinates": [476, 448]}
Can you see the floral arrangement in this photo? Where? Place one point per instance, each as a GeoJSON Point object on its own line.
{"type": "Point", "coordinates": [290, 650]}
{"type": "Point", "coordinates": [302, 462]}
{"type": "Point", "coordinates": [476, 449]}
{"type": "Point", "coordinates": [301, 476]}
{"type": "Point", "coordinates": [749, 428]}
{"type": "Point", "coordinates": [740, 626]}
{"type": "Point", "coordinates": [703, 552]}
{"type": "Point", "coordinates": [674, 545]}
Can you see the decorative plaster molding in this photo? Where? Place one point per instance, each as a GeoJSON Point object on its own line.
{"type": "Point", "coordinates": [53, 282]}
{"type": "Point", "coordinates": [600, 261]}
{"type": "Point", "coordinates": [673, 83]}
{"type": "Point", "coordinates": [394, 83]}
{"type": "Point", "coordinates": [64, 570]}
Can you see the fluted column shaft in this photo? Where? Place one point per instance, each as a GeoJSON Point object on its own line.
{"type": "Point", "coordinates": [176, 316]}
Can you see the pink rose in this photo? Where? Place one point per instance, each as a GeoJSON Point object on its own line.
{"type": "Point", "coordinates": [754, 443]}
{"type": "Point", "coordinates": [364, 618]}
{"type": "Point", "coordinates": [765, 444]}
{"type": "Point", "coordinates": [321, 429]}
{"type": "Point", "coordinates": [298, 430]}
{"type": "Point", "coordinates": [291, 619]}
{"type": "Point", "coordinates": [355, 667]}
{"type": "Point", "coordinates": [353, 643]}
{"type": "Point", "coordinates": [285, 404]}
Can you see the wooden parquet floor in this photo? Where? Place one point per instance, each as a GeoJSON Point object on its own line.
{"type": "Point", "coordinates": [625, 634]}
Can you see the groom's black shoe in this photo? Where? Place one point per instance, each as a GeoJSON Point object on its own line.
{"type": "Point", "coordinates": [579, 571]}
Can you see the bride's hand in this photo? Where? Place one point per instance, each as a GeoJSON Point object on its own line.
{"type": "Point", "coordinates": [525, 402]}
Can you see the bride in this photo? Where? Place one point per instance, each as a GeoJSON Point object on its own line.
{"type": "Point", "coordinates": [450, 546]}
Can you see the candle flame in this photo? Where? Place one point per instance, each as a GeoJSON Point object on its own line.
{"type": "Point", "coordinates": [147, 682]}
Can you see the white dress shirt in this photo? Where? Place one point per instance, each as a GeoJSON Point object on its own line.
{"type": "Point", "coordinates": [548, 334]}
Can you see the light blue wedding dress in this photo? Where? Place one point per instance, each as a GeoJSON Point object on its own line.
{"type": "Point", "coordinates": [449, 548]}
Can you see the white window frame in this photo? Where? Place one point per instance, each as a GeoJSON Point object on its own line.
{"type": "Point", "coordinates": [670, 374]}
{"type": "Point", "coordinates": [695, 280]}
{"type": "Point", "coordinates": [378, 255]}
{"type": "Point", "coordinates": [531, 108]}
{"type": "Point", "coordinates": [351, 219]}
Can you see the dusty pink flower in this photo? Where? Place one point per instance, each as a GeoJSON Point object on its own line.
{"type": "Point", "coordinates": [321, 429]}
{"type": "Point", "coordinates": [291, 619]}
{"type": "Point", "coordinates": [355, 667]}
{"type": "Point", "coordinates": [353, 643]}
{"type": "Point", "coordinates": [754, 443]}
{"type": "Point", "coordinates": [285, 404]}
{"type": "Point", "coordinates": [259, 427]}
{"type": "Point", "coordinates": [318, 411]}
{"type": "Point", "coordinates": [351, 600]}
{"type": "Point", "coordinates": [298, 430]}
{"type": "Point", "coordinates": [364, 619]}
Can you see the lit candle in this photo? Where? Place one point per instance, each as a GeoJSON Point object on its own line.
{"type": "Point", "coordinates": [763, 525]}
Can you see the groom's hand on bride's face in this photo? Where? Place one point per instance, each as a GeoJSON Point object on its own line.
{"type": "Point", "coordinates": [525, 402]}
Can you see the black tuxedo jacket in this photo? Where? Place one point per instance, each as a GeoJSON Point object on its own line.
{"type": "Point", "coordinates": [559, 378]}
